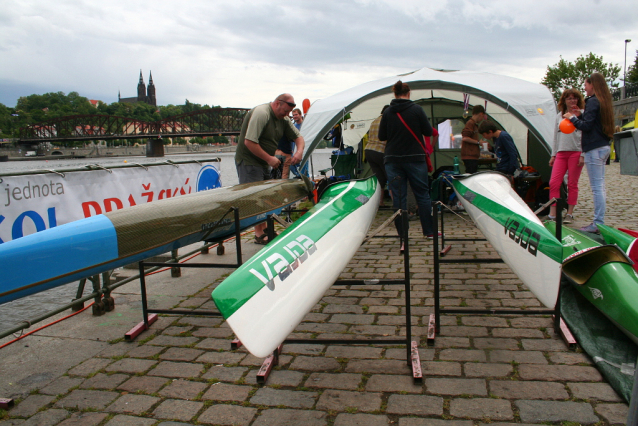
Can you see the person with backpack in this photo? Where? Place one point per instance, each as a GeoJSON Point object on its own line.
{"type": "Point", "coordinates": [403, 125]}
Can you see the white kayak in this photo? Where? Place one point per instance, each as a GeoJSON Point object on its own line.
{"type": "Point", "coordinates": [268, 296]}
{"type": "Point", "coordinates": [519, 237]}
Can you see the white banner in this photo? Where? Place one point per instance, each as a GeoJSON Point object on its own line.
{"type": "Point", "coordinates": [34, 202]}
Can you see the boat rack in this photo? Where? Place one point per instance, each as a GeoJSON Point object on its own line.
{"type": "Point", "coordinates": [434, 325]}
{"type": "Point", "coordinates": [176, 272]}
{"type": "Point", "coordinates": [148, 320]}
{"type": "Point", "coordinates": [412, 349]}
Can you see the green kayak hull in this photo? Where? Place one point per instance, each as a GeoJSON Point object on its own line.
{"type": "Point", "coordinates": [603, 275]}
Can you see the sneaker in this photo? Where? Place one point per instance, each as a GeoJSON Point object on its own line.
{"type": "Point", "coordinates": [568, 218]}
{"type": "Point", "coordinates": [591, 228]}
{"type": "Point", "coordinates": [551, 218]}
{"type": "Point", "coordinates": [431, 236]}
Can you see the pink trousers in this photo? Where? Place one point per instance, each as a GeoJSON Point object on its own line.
{"type": "Point", "coordinates": [565, 161]}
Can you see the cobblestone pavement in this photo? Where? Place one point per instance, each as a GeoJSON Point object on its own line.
{"type": "Point", "coordinates": [483, 369]}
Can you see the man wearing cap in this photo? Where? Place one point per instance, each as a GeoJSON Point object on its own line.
{"type": "Point", "coordinates": [261, 131]}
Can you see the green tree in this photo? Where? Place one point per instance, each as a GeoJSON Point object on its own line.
{"type": "Point", "coordinates": [632, 71]}
{"type": "Point", "coordinates": [564, 75]}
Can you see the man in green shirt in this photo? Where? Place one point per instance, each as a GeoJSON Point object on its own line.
{"type": "Point", "coordinates": [261, 131]}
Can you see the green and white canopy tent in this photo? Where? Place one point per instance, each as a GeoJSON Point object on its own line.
{"type": "Point", "coordinates": [525, 110]}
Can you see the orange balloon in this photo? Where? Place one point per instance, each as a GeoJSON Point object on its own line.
{"type": "Point", "coordinates": [306, 105]}
{"type": "Point", "coordinates": [566, 126]}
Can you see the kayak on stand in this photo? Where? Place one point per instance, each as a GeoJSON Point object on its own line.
{"type": "Point", "coordinates": [603, 274]}
{"type": "Point", "coordinates": [90, 246]}
{"type": "Point", "coordinates": [525, 245]}
{"type": "Point", "coordinates": [268, 296]}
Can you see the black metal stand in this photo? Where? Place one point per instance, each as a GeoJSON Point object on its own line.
{"type": "Point", "coordinates": [412, 350]}
{"type": "Point", "coordinates": [434, 326]}
{"type": "Point", "coordinates": [150, 319]}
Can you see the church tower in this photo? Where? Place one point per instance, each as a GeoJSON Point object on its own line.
{"type": "Point", "coordinates": [151, 100]}
{"type": "Point", "coordinates": [143, 94]}
{"type": "Point", "coordinates": [141, 89]}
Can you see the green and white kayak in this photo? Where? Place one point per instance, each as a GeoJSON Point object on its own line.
{"type": "Point", "coordinates": [625, 241]}
{"type": "Point", "coordinates": [529, 249]}
{"type": "Point", "coordinates": [268, 296]}
{"type": "Point", "coordinates": [603, 274]}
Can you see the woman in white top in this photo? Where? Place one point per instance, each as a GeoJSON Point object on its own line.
{"type": "Point", "coordinates": [567, 155]}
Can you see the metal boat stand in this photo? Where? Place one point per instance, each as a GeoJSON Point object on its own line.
{"type": "Point", "coordinates": [434, 326]}
{"type": "Point", "coordinates": [103, 301]}
{"type": "Point", "coordinates": [412, 349]}
{"type": "Point", "coordinates": [176, 272]}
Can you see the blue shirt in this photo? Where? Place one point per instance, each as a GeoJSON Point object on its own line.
{"type": "Point", "coordinates": [506, 153]}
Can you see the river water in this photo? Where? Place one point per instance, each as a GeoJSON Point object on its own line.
{"type": "Point", "coordinates": [29, 307]}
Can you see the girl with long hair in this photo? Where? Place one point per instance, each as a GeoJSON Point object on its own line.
{"type": "Point", "coordinates": [597, 125]}
{"type": "Point", "coordinates": [567, 155]}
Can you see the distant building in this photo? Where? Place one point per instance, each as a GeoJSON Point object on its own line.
{"type": "Point", "coordinates": [144, 94]}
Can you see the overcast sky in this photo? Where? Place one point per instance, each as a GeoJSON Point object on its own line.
{"type": "Point", "coordinates": [237, 53]}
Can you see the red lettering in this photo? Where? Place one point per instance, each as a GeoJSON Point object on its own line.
{"type": "Point", "coordinates": [109, 202]}
{"type": "Point", "coordinates": [86, 208]}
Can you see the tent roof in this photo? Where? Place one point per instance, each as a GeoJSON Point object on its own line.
{"type": "Point", "coordinates": [531, 104]}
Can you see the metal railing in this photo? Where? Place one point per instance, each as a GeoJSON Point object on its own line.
{"type": "Point", "coordinates": [631, 91]}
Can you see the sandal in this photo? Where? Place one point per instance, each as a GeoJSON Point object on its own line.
{"type": "Point", "coordinates": [262, 240]}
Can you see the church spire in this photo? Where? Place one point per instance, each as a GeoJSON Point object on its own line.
{"type": "Point", "coordinates": [141, 89]}
{"type": "Point", "coordinates": [151, 99]}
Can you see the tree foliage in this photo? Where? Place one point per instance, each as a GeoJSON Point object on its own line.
{"type": "Point", "coordinates": [38, 108]}
{"type": "Point", "coordinates": [632, 71]}
{"type": "Point", "coordinates": [565, 75]}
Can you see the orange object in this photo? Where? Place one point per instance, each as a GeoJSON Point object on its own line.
{"type": "Point", "coordinates": [566, 126]}
{"type": "Point", "coordinates": [306, 105]}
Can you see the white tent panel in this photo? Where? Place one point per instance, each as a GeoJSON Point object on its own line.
{"type": "Point", "coordinates": [518, 105]}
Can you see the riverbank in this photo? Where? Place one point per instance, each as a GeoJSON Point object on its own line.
{"type": "Point", "coordinates": [483, 369]}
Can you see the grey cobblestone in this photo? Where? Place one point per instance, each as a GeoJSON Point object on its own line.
{"type": "Point", "coordinates": [339, 400]}
{"type": "Point", "coordinates": [345, 381]}
{"type": "Point", "coordinates": [550, 411]}
{"type": "Point", "coordinates": [527, 390]}
{"type": "Point", "coordinates": [84, 419]}
{"type": "Point", "coordinates": [456, 386]}
{"type": "Point", "coordinates": [87, 399]}
{"type": "Point", "coordinates": [177, 410]}
{"type": "Point", "coordinates": [228, 415]}
{"type": "Point", "coordinates": [124, 420]}
{"type": "Point", "coordinates": [133, 404]}
{"type": "Point", "coordinates": [177, 369]}
{"type": "Point", "coordinates": [482, 408]}
{"type": "Point", "coordinates": [279, 417]}
{"type": "Point", "coordinates": [559, 372]}
{"type": "Point", "coordinates": [227, 392]}
{"type": "Point", "coordinates": [419, 405]}
{"type": "Point", "coordinates": [287, 398]}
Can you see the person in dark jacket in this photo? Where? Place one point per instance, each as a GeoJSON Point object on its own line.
{"type": "Point", "coordinates": [597, 125]}
{"type": "Point", "coordinates": [504, 147]}
{"type": "Point", "coordinates": [403, 125]}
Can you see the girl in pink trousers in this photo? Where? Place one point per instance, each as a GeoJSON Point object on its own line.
{"type": "Point", "coordinates": [566, 156]}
